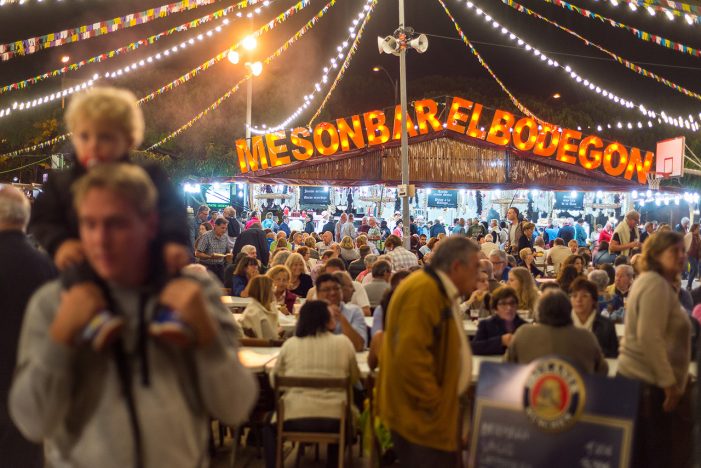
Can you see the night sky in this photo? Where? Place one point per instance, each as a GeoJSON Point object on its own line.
{"type": "Point", "coordinates": [293, 74]}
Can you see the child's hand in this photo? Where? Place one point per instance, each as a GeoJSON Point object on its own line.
{"type": "Point", "coordinates": [78, 306]}
{"type": "Point", "coordinates": [69, 253]}
{"type": "Point", "coordinates": [176, 257]}
{"type": "Point", "coordinates": [185, 298]}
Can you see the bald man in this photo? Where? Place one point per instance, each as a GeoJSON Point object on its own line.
{"type": "Point", "coordinates": [22, 270]}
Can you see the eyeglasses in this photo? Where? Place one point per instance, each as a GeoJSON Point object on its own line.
{"type": "Point", "coordinates": [511, 303]}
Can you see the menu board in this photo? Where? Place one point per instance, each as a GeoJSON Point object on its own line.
{"type": "Point", "coordinates": [547, 413]}
{"type": "Point", "coordinates": [565, 201]}
{"type": "Point", "coordinates": [443, 199]}
{"type": "Point", "coordinates": [314, 196]}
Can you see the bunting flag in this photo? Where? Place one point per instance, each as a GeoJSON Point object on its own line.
{"type": "Point", "coordinates": [486, 66]}
{"type": "Point", "coordinates": [128, 48]}
{"type": "Point", "coordinates": [669, 7]}
{"type": "Point", "coordinates": [346, 63]}
{"type": "Point", "coordinates": [296, 37]}
{"type": "Point", "coordinates": [88, 31]}
{"type": "Point", "coordinates": [638, 33]}
{"type": "Point", "coordinates": [279, 19]}
{"type": "Point", "coordinates": [626, 63]}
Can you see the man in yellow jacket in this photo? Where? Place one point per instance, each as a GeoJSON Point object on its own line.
{"type": "Point", "coordinates": [425, 362]}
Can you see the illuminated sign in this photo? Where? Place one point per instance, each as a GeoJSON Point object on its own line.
{"type": "Point", "coordinates": [465, 117]}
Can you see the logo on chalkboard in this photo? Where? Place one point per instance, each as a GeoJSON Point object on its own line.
{"type": "Point", "coordinates": [554, 395]}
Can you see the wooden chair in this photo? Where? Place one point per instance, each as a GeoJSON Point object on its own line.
{"type": "Point", "coordinates": [283, 383]}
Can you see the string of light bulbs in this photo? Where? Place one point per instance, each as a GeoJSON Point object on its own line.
{"type": "Point", "coordinates": [279, 19]}
{"type": "Point", "coordinates": [22, 84]}
{"type": "Point", "coordinates": [294, 38]}
{"type": "Point", "coordinates": [369, 7]}
{"type": "Point", "coordinates": [486, 66]}
{"type": "Point", "coordinates": [51, 97]}
{"type": "Point", "coordinates": [546, 61]}
{"type": "Point", "coordinates": [99, 28]}
{"type": "Point", "coordinates": [267, 27]}
{"type": "Point", "coordinates": [690, 13]}
{"type": "Point", "coordinates": [362, 18]}
{"type": "Point", "coordinates": [625, 62]}
{"type": "Point", "coordinates": [637, 33]}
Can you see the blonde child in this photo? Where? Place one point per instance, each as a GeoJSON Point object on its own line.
{"type": "Point", "coordinates": [105, 125]}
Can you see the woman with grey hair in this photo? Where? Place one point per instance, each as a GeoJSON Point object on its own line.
{"type": "Point", "coordinates": [556, 334]}
{"type": "Point", "coordinates": [601, 280]}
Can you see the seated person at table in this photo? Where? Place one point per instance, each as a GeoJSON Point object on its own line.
{"type": "Point", "coordinates": [349, 318]}
{"type": "Point", "coordinates": [378, 324]}
{"type": "Point", "coordinates": [619, 292]}
{"type": "Point", "coordinates": [567, 276]}
{"type": "Point", "coordinates": [577, 261]}
{"type": "Point", "coordinates": [585, 314]}
{"type": "Point", "coordinates": [529, 262]}
{"type": "Point", "coordinates": [245, 271]}
{"type": "Point", "coordinates": [522, 282]}
{"type": "Point", "coordinates": [556, 334]}
{"type": "Point", "coordinates": [353, 292]}
{"type": "Point", "coordinates": [281, 295]}
{"type": "Point", "coordinates": [260, 317]}
{"type": "Point", "coordinates": [495, 333]}
{"type": "Point", "coordinates": [315, 351]}
{"type": "Point", "coordinates": [300, 282]}
{"type": "Point", "coordinates": [378, 315]}
{"type": "Point", "coordinates": [142, 403]}
{"type": "Point", "coordinates": [601, 281]}
{"type": "Point", "coordinates": [480, 298]}
{"type": "Point", "coordinates": [381, 274]}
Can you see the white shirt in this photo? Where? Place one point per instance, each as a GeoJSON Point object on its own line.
{"type": "Point", "coordinates": [359, 297]}
{"type": "Point", "coordinates": [587, 325]}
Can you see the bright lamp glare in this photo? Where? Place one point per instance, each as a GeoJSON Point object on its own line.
{"type": "Point", "coordinates": [256, 68]}
{"type": "Point", "coordinates": [233, 57]}
{"type": "Point", "coordinates": [249, 43]}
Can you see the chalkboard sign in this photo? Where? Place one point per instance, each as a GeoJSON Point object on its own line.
{"type": "Point", "coordinates": [565, 201]}
{"type": "Point", "coordinates": [549, 414]}
{"type": "Point", "coordinates": [443, 199]}
{"type": "Point", "coordinates": [314, 196]}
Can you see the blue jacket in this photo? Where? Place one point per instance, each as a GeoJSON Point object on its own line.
{"type": "Point", "coordinates": [437, 229]}
{"type": "Point", "coordinates": [566, 233]}
{"type": "Point", "coordinates": [487, 340]}
{"type": "Point", "coordinates": [580, 234]}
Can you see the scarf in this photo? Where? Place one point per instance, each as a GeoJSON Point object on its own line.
{"type": "Point", "coordinates": [623, 232]}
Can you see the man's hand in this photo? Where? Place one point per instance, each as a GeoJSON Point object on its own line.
{"type": "Point", "coordinates": [185, 298]}
{"type": "Point", "coordinates": [176, 257]}
{"type": "Point", "coordinates": [335, 311]}
{"type": "Point", "coordinates": [69, 253]}
{"type": "Point", "coordinates": [78, 306]}
{"type": "Point", "coordinates": [672, 397]}
{"type": "Point", "coordinates": [506, 339]}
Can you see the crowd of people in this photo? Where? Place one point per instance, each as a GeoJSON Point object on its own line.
{"type": "Point", "coordinates": [116, 324]}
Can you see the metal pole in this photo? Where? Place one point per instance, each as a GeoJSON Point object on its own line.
{"type": "Point", "coordinates": [249, 105]}
{"type": "Point", "coordinates": [404, 135]}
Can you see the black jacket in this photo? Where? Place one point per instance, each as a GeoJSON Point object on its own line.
{"type": "Point", "coordinates": [330, 227]}
{"type": "Point", "coordinates": [256, 238]}
{"type": "Point", "coordinates": [54, 219]}
{"type": "Point", "coordinates": [605, 332]}
{"type": "Point", "coordinates": [487, 340]}
{"type": "Point", "coordinates": [23, 269]}
{"type": "Point", "coordinates": [233, 229]}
